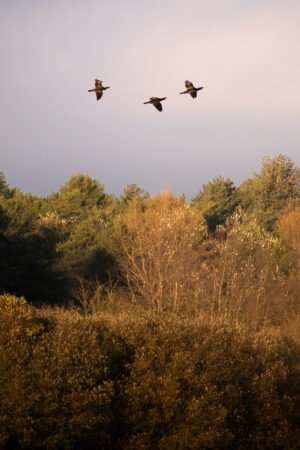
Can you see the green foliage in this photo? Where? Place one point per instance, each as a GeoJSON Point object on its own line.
{"type": "Point", "coordinates": [156, 248]}
{"type": "Point", "coordinates": [217, 200]}
{"type": "Point", "coordinates": [84, 252]}
{"type": "Point", "coordinates": [77, 197]}
{"type": "Point", "coordinates": [4, 188]}
{"type": "Point", "coordinates": [268, 193]}
{"type": "Point", "coordinates": [132, 191]}
{"type": "Point", "coordinates": [194, 362]}
{"type": "Point", "coordinates": [23, 212]}
{"type": "Point", "coordinates": [29, 265]}
{"type": "Point", "coordinates": [49, 242]}
{"type": "Point", "coordinates": [82, 213]}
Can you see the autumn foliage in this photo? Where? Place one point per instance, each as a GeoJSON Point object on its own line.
{"type": "Point", "coordinates": [148, 322]}
{"type": "Point", "coordinates": [130, 381]}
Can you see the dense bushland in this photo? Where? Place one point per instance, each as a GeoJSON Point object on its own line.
{"type": "Point", "coordinates": [150, 322]}
{"type": "Point", "coordinates": [129, 380]}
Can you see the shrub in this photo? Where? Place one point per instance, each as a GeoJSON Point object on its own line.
{"type": "Point", "coordinates": [54, 387]}
{"type": "Point", "coordinates": [195, 386]}
{"type": "Point", "coordinates": [126, 381]}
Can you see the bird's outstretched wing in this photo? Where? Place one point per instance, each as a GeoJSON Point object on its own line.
{"type": "Point", "coordinates": [157, 105]}
{"type": "Point", "coordinates": [99, 93]}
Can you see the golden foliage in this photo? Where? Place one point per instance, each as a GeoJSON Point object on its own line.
{"type": "Point", "coordinates": [125, 381]}
{"type": "Point", "coordinates": [158, 238]}
{"type": "Point", "coordinates": [289, 229]}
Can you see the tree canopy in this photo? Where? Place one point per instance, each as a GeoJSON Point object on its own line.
{"type": "Point", "coordinates": [217, 200]}
{"type": "Point", "coordinates": [152, 246]}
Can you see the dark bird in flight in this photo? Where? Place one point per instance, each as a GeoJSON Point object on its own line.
{"type": "Point", "coordinates": [99, 88]}
{"type": "Point", "coordinates": [156, 102]}
{"type": "Point", "coordinates": [191, 89]}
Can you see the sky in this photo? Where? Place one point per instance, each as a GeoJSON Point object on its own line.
{"type": "Point", "coordinates": [246, 55]}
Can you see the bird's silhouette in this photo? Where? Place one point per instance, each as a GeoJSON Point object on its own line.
{"type": "Point", "coordinates": [99, 88]}
{"type": "Point", "coordinates": [191, 89]}
{"type": "Point", "coordinates": [156, 101]}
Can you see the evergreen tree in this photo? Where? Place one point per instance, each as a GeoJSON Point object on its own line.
{"type": "Point", "coordinates": [83, 253]}
{"type": "Point", "coordinates": [217, 200]}
{"type": "Point", "coordinates": [78, 196]}
{"type": "Point", "coordinates": [4, 188]}
{"type": "Point", "coordinates": [28, 268]}
{"type": "Point", "coordinates": [268, 193]}
{"type": "Point", "coordinates": [82, 212]}
{"type": "Point", "coordinates": [133, 191]}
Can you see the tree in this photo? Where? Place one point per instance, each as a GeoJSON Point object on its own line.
{"type": "Point", "coordinates": [269, 192]}
{"type": "Point", "coordinates": [28, 268]}
{"type": "Point", "coordinates": [289, 231]}
{"type": "Point", "coordinates": [133, 191]}
{"type": "Point", "coordinates": [158, 259]}
{"type": "Point", "coordinates": [217, 200]}
{"type": "Point", "coordinates": [81, 212]}
{"type": "Point", "coordinates": [241, 275]}
{"type": "Point", "coordinates": [4, 189]}
{"type": "Point", "coordinates": [78, 196]}
{"type": "Point", "coordinates": [83, 253]}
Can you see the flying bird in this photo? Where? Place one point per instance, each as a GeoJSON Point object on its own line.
{"type": "Point", "coordinates": [156, 102]}
{"type": "Point", "coordinates": [191, 89]}
{"type": "Point", "coordinates": [99, 88]}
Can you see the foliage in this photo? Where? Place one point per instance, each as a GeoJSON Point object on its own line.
{"type": "Point", "coordinates": [240, 273]}
{"type": "Point", "coordinates": [289, 231]}
{"type": "Point", "coordinates": [4, 188]}
{"type": "Point", "coordinates": [30, 249]}
{"type": "Point", "coordinates": [157, 248]}
{"type": "Point", "coordinates": [82, 214]}
{"type": "Point", "coordinates": [77, 197]}
{"type": "Point", "coordinates": [175, 345]}
{"type": "Point", "coordinates": [131, 381]}
{"type": "Point", "coordinates": [268, 193]}
{"type": "Point", "coordinates": [217, 200]}
{"type": "Point", "coordinates": [83, 251]}
{"type": "Point", "coordinates": [194, 386]}
{"type": "Point", "coordinates": [55, 392]}
{"type": "Point", "coordinates": [158, 238]}
{"type": "Point", "coordinates": [133, 191]}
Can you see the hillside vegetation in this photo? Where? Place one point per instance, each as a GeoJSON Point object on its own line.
{"type": "Point", "coordinates": [150, 322]}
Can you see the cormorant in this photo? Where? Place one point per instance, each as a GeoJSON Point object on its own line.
{"type": "Point", "coordinates": [99, 88]}
{"type": "Point", "coordinates": [191, 89]}
{"type": "Point", "coordinates": [156, 102]}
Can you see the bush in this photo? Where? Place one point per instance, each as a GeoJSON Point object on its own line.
{"type": "Point", "coordinates": [193, 386]}
{"type": "Point", "coordinates": [54, 387]}
{"type": "Point", "coordinates": [123, 381]}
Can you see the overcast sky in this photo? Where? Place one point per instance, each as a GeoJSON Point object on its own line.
{"type": "Point", "coordinates": [245, 53]}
